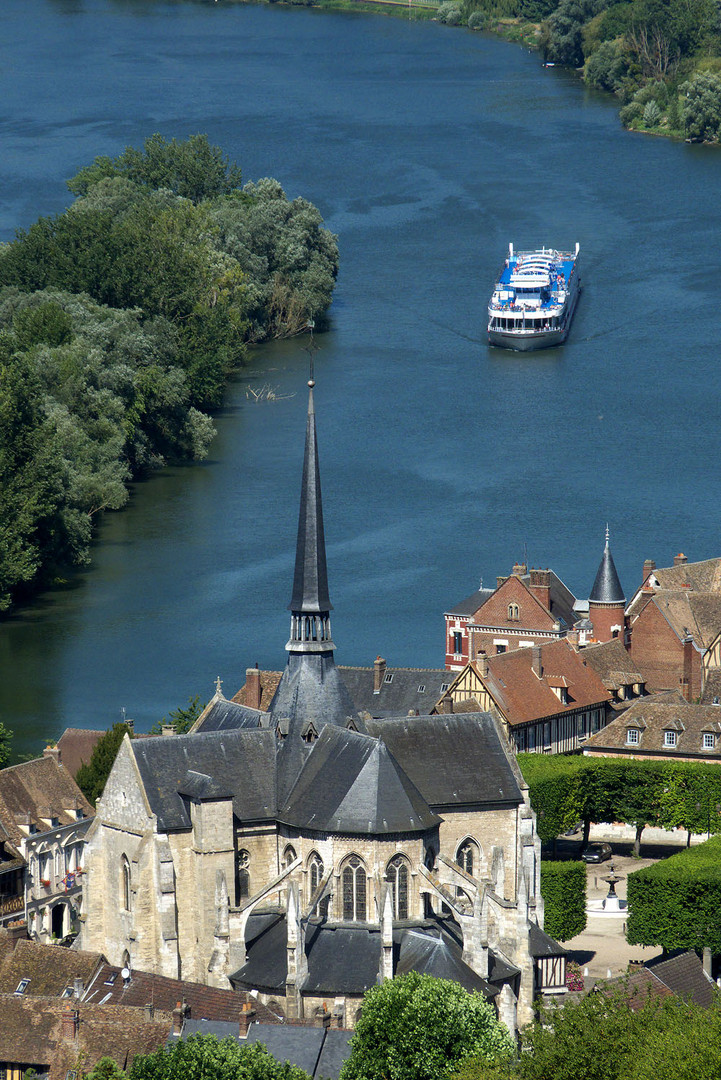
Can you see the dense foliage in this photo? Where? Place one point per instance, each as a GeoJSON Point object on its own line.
{"type": "Point", "coordinates": [120, 320]}
{"type": "Point", "coordinates": [91, 776]}
{"type": "Point", "coordinates": [662, 58]}
{"type": "Point", "coordinates": [667, 794]}
{"type": "Point", "coordinates": [180, 719]}
{"type": "Point", "coordinates": [415, 1027]}
{"type": "Point", "coordinates": [563, 888]}
{"type": "Point", "coordinates": [676, 902]}
{"type": "Point", "coordinates": [201, 1057]}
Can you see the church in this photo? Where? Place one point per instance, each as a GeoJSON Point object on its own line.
{"type": "Point", "coordinates": [309, 851]}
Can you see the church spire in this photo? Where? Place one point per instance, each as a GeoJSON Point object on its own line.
{"type": "Point", "coordinates": [310, 604]}
{"type": "Point", "coordinates": [607, 587]}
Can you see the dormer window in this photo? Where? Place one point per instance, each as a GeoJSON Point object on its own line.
{"type": "Point", "coordinates": [422, 688]}
{"type": "Point", "coordinates": [513, 612]}
{"type": "Point", "coordinates": [389, 677]}
{"type": "Point", "coordinates": [22, 986]}
{"type": "Point", "coordinates": [670, 738]}
{"type": "Point", "coordinates": [633, 736]}
{"type": "Point", "coordinates": [708, 740]}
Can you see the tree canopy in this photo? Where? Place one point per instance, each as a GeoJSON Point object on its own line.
{"type": "Point", "coordinates": [202, 1057]}
{"type": "Point", "coordinates": [415, 1027]}
{"type": "Point", "coordinates": [91, 777]}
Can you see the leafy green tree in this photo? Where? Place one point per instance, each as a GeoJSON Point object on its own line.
{"type": "Point", "coordinates": [181, 719]}
{"type": "Point", "coordinates": [565, 29]}
{"type": "Point", "coordinates": [193, 169]}
{"type": "Point", "coordinates": [563, 888]}
{"type": "Point", "coordinates": [106, 1069]}
{"type": "Point", "coordinates": [415, 1027]}
{"type": "Point", "coordinates": [701, 107]}
{"type": "Point", "coordinates": [557, 790]}
{"type": "Point", "coordinates": [606, 67]}
{"type": "Point", "coordinates": [202, 1057]}
{"type": "Point", "coordinates": [91, 777]}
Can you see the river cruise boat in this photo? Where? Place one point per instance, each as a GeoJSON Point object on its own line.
{"type": "Point", "coordinates": [534, 299]}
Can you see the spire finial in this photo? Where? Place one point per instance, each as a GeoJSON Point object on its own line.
{"type": "Point", "coordinates": [608, 534]}
{"type": "Point", "coordinates": [311, 348]}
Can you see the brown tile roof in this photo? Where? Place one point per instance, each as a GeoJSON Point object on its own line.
{"type": "Point", "coordinates": [76, 747]}
{"type": "Point", "coordinates": [49, 968]}
{"type": "Point", "coordinates": [612, 664]}
{"type": "Point", "coordinates": [522, 696]}
{"type": "Point", "coordinates": [40, 789]}
{"type": "Point", "coordinates": [268, 685]}
{"type": "Point", "coordinates": [652, 716]}
{"type": "Point", "coordinates": [31, 1033]}
{"type": "Point", "coordinates": [684, 975]}
{"type": "Point", "coordinates": [702, 576]}
{"type": "Point", "coordinates": [204, 1002]}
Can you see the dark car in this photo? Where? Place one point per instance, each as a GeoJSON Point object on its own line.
{"type": "Point", "coordinates": [596, 853]}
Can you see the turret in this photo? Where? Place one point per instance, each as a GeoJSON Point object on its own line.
{"type": "Point", "coordinates": [607, 604]}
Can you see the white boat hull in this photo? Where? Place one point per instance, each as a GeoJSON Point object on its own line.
{"type": "Point", "coordinates": [524, 338]}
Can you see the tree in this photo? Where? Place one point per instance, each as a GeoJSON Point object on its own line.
{"type": "Point", "coordinates": [415, 1027]}
{"type": "Point", "coordinates": [106, 1069]}
{"type": "Point", "coordinates": [701, 107]}
{"type": "Point", "coordinates": [565, 29]}
{"type": "Point", "coordinates": [91, 777]}
{"type": "Point", "coordinates": [181, 719]}
{"type": "Point", "coordinates": [563, 888]}
{"type": "Point", "coordinates": [203, 1056]}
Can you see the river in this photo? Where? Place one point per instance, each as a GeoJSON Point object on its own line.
{"type": "Point", "coordinates": [427, 149]}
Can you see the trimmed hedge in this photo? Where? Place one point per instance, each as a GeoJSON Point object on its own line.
{"type": "Point", "coordinates": [677, 902]}
{"type": "Point", "coordinates": [563, 888]}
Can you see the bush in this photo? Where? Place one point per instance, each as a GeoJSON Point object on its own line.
{"type": "Point", "coordinates": [676, 902]}
{"type": "Point", "coordinates": [477, 20]}
{"type": "Point", "coordinates": [450, 14]}
{"type": "Point", "coordinates": [606, 68]}
{"type": "Point", "coordinates": [563, 888]}
{"type": "Point", "coordinates": [651, 114]}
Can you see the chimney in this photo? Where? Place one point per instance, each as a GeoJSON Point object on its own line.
{"type": "Point", "coordinates": [519, 570]}
{"type": "Point", "coordinates": [148, 1010]}
{"type": "Point", "coordinates": [447, 704]}
{"type": "Point", "coordinates": [70, 1022]}
{"type": "Point", "coordinates": [325, 1017]}
{"type": "Point", "coordinates": [536, 665]}
{"type": "Point", "coordinates": [78, 988]}
{"type": "Point", "coordinates": [178, 1019]}
{"type": "Point", "coordinates": [52, 752]}
{"type": "Point", "coordinates": [379, 671]}
{"type": "Point", "coordinates": [648, 568]}
{"type": "Point", "coordinates": [680, 559]}
{"type": "Point", "coordinates": [130, 724]}
{"type": "Point", "coordinates": [541, 586]}
{"type": "Point", "coordinates": [247, 1013]}
{"type": "Point", "coordinates": [483, 664]}
{"type": "Point", "coordinates": [167, 730]}
{"type": "Point", "coordinates": [252, 688]}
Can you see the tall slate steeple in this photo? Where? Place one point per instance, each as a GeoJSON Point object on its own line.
{"type": "Point", "coordinates": [311, 690]}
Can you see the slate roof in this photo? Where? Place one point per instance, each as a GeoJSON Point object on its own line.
{"type": "Point", "coordinates": [223, 715]}
{"type": "Point", "coordinates": [521, 696]}
{"type": "Point", "coordinates": [310, 580]}
{"type": "Point", "coordinates": [409, 689]}
{"type": "Point", "coordinates": [437, 956]}
{"type": "Point", "coordinates": [31, 1034]}
{"type": "Point", "coordinates": [607, 587]}
{"type": "Point", "coordinates": [50, 968]}
{"type": "Point", "coordinates": [345, 958]}
{"type": "Point", "coordinates": [203, 1002]}
{"type": "Point", "coordinates": [351, 784]}
{"type": "Point", "coordinates": [40, 789]}
{"type": "Point", "coordinates": [472, 603]}
{"type": "Point", "coordinates": [229, 757]}
{"type": "Point", "coordinates": [453, 760]}
{"type": "Point", "coordinates": [311, 688]}
{"type": "Point", "coordinates": [540, 944]}
{"type": "Point", "coordinates": [319, 1051]}
{"type": "Point", "coordinates": [654, 715]}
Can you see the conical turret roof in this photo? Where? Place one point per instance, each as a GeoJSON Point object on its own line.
{"type": "Point", "coordinates": [607, 587]}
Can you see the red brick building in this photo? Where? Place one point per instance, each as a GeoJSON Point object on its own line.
{"type": "Point", "coordinates": [526, 608]}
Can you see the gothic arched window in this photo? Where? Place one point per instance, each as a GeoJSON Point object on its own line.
{"type": "Point", "coordinates": [289, 856]}
{"type": "Point", "coordinates": [242, 876]}
{"type": "Point", "coordinates": [467, 856]}
{"type": "Point", "coordinates": [353, 879]}
{"type": "Point", "coordinates": [397, 874]}
{"type": "Point", "coordinates": [513, 612]}
{"type": "Point", "coordinates": [315, 871]}
{"type": "Point", "coordinates": [125, 883]}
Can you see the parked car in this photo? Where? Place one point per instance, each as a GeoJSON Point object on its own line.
{"type": "Point", "coordinates": [596, 853]}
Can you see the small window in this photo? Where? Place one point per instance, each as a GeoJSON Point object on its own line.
{"type": "Point", "coordinates": [389, 677]}
{"type": "Point", "coordinates": [22, 986]}
{"type": "Point", "coordinates": [67, 992]}
{"type": "Point", "coordinates": [444, 687]}
{"type": "Point", "coordinates": [500, 648]}
{"type": "Point", "coordinates": [632, 736]}
{"type": "Point", "coordinates": [513, 612]}
{"type": "Point", "coordinates": [457, 642]}
{"type": "Point", "coordinates": [669, 738]}
{"type": "Point", "coordinates": [422, 688]}
{"type": "Point", "coordinates": [708, 741]}
{"type": "Point", "coordinates": [110, 981]}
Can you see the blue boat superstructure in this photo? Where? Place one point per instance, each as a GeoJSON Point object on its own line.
{"type": "Point", "coordinates": [534, 299]}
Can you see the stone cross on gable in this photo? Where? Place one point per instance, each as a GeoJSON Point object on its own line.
{"type": "Point", "coordinates": [218, 684]}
